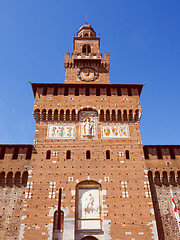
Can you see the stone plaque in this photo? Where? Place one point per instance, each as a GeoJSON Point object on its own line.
{"type": "Point", "coordinates": [115, 131]}
{"type": "Point", "coordinates": [89, 209]}
{"type": "Point", "coordinates": [61, 131]}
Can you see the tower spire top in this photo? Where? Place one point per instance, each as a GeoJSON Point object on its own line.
{"type": "Point", "coordinates": [86, 21]}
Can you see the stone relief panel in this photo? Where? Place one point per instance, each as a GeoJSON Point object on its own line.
{"type": "Point", "coordinates": [89, 209]}
{"type": "Point", "coordinates": [88, 124]}
{"type": "Point", "coordinates": [61, 131]}
{"type": "Point", "coordinates": [115, 131]}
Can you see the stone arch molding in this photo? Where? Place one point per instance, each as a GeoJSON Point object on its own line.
{"type": "Point", "coordinates": [89, 238]}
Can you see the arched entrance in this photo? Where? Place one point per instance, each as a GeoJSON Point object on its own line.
{"type": "Point", "coordinates": [89, 238]}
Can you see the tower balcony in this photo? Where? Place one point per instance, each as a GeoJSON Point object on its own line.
{"type": "Point", "coordinates": [87, 55]}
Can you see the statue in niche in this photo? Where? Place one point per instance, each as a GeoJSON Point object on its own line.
{"type": "Point", "coordinates": [90, 202]}
{"type": "Point", "coordinates": [89, 205]}
{"type": "Point", "coordinates": [88, 127]}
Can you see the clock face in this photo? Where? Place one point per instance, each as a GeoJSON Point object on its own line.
{"type": "Point", "coordinates": [87, 74]}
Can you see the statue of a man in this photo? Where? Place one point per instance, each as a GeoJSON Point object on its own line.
{"type": "Point", "coordinates": [88, 127]}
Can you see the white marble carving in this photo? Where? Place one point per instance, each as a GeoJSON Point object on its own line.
{"type": "Point", "coordinates": [89, 209]}
{"type": "Point", "coordinates": [89, 203]}
{"type": "Point", "coordinates": [88, 127]}
{"type": "Point", "coordinates": [61, 131]}
{"type": "Point", "coordinates": [88, 124]}
{"type": "Point", "coordinates": [115, 131]}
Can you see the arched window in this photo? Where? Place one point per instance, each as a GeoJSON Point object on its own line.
{"type": "Point", "coordinates": [24, 178]}
{"type": "Point", "coordinates": [131, 115]}
{"type": "Point", "coordinates": [67, 115]}
{"type": "Point", "coordinates": [73, 115]}
{"type": "Point", "coordinates": [62, 115]}
{"type": "Point", "coordinates": [10, 179]}
{"type": "Point", "coordinates": [17, 178]}
{"type": "Point", "coordinates": [172, 178]}
{"type": "Point", "coordinates": [119, 115]}
{"type": "Point", "coordinates": [88, 154]}
{"type": "Point", "coordinates": [68, 154]}
{"type": "Point", "coordinates": [127, 154]}
{"type": "Point", "coordinates": [157, 179]}
{"type": "Point", "coordinates": [86, 48]}
{"type": "Point", "coordinates": [107, 154]}
{"type": "Point", "coordinates": [56, 115]}
{"type": "Point", "coordinates": [113, 115]}
{"type": "Point", "coordinates": [102, 115]}
{"type": "Point", "coordinates": [48, 154]}
{"type": "Point", "coordinates": [37, 115]}
{"type": "Point", "coordinates": [50, 115]}
{"type": "Point", "coordinates": [44, 114]}
{"type": "Point", "coordinates": [125, 115]}
{"type": "Point", "coordinates": [107, 115]}
{"type": "Point", "coordinates": [2, 179]}
{"type": "Point", "coordinates": [165, 178]}
{"type": "Point", "coordinates": [137, 115]}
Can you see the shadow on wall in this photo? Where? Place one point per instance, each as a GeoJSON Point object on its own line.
{"type": "Point", "coordinates": [156, 207]}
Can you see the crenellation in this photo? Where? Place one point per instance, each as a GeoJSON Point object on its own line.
{"type": "Point", "coordinates": [164, 152]}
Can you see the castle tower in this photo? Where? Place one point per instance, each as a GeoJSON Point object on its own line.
{"type": "Point", "coordinates": [87, 59]}
{"type": "Point", "coordinates": [88, 143]}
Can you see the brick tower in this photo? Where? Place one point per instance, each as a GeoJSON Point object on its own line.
{"type": "Point", "coordinates": [87, 142]}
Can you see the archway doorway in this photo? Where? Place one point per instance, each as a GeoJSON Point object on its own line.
{"type": "Point", "coordinates": [89, 238]}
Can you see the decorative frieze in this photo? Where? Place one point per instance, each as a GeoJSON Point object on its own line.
{"type": "Point", "coordinates": [61, 131]}
{"type": "Point", "coordinates": [115, 131]}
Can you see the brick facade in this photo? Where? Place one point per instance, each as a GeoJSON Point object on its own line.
{"type": "Point", "coordinates": [87, 142]}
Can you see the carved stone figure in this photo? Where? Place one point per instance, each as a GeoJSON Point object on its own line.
{"type": "Point", "coordinates": [88, 127]}
{"type": "Point", "coordinates": [90, 203]}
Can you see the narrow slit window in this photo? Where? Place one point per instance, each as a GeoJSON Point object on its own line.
{"type": "Point", "coordinates": [127, 154]}
{"type": "Point", "coordinates": [48, 154]}
{"type": "Point", "coordinates": [88, 154]}
{"type": "Point", "coordinates": [107, 154]}
{"type": "Point", "coordinates": [68, 154]}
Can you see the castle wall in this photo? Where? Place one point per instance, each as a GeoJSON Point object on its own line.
{"type": "Point", "coordinates": [163, 163]}
{"type": "Point", "coordinates": [14, 166]}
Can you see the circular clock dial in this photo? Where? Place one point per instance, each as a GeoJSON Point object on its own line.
{"type": "Point", "coordinates": [87, 74]}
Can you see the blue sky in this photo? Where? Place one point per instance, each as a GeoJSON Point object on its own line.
{"type": "Point", "coordinates": [142, 37]}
